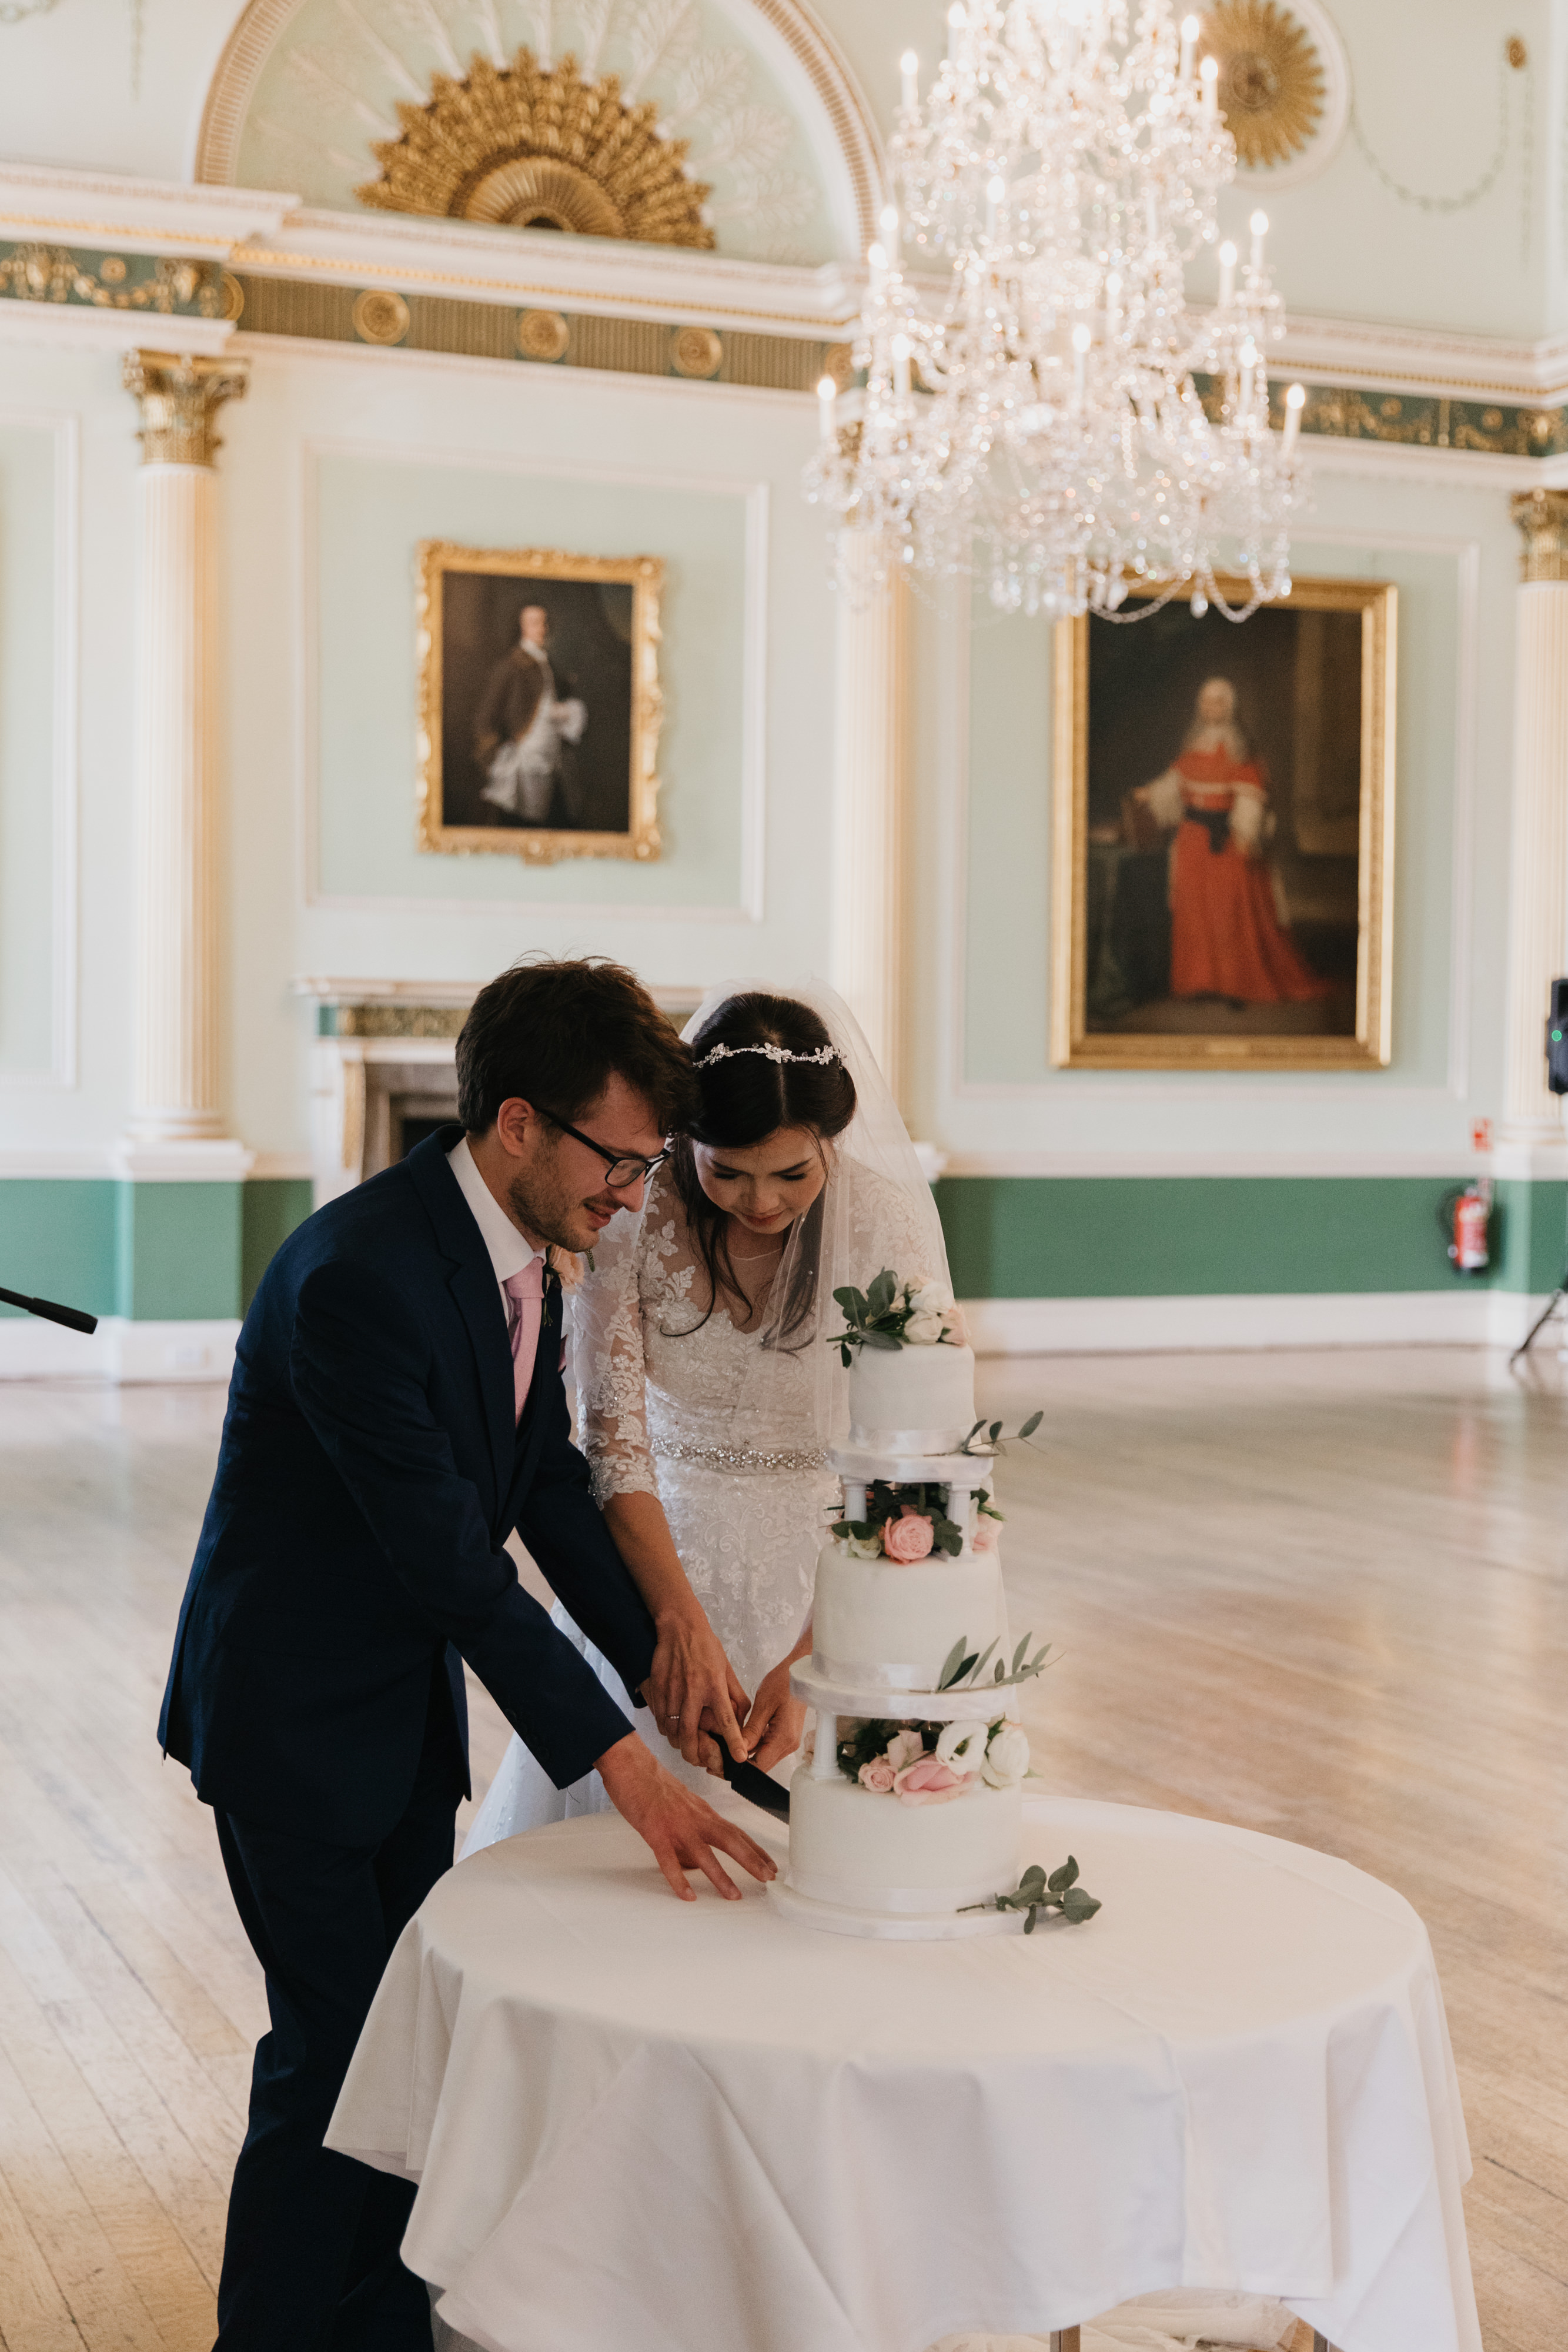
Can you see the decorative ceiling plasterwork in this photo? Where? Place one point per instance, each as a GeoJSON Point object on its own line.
{"type": "Point", "coordinates": [529, 148]}
{"type": "Point", "coordinates": [771, 122]}
{"type": "Point", "coordinates": [1284, 85]}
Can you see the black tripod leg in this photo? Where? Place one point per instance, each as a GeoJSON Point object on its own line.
{"type": "Point", "coordinates": [1539, 1324]}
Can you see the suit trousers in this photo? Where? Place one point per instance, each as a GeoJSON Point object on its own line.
{"type": "Point", "coordinates": [310, 2255]}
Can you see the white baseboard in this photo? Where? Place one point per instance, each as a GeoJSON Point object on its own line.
{"type": "Point", "coordinates": [118, 1350]}
{"type": "Point", "coordinates": [1369, 1318]}
{"type": "Point", "coordinates": [123, 1351]}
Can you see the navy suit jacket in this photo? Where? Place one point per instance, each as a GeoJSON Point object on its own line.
{"type": "Point", "coordinates": [351, 1555]}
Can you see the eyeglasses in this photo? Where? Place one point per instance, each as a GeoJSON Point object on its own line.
{"type": "Point", "coordinates": [619, 1170]}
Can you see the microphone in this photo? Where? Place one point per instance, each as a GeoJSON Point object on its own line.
{"type": "Point", "coordinates": [71, 1316]}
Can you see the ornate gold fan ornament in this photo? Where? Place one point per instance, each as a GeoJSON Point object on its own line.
{"type": "Point", "coordinates": [532, 148]}
{"type": "Point", "coordinates": [1270, 78]}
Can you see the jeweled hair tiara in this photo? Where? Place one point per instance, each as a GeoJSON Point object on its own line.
{"type": "Point", "coordinates": [770, 1053]}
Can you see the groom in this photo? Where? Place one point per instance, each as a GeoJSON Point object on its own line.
{"type": "Point", "coordinates": [396, 1411]}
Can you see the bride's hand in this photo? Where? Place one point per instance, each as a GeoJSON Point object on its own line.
{"type": "Point", "coordinates": [692, 1677]}
{"type": "Point", "coordinates": [777, 1720]}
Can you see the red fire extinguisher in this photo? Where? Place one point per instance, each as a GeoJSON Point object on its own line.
{"type": "Point", "coordinates": [1467, 1217]}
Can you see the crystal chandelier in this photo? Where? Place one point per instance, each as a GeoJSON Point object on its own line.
{"type": "Point", "coordinates": [1029, 414]}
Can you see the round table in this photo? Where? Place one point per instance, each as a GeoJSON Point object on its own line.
{"type": "Point", "coordinates": [639, 2126]}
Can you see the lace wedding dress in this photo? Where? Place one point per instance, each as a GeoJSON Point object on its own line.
{"type": "Point", "coordinates": [729, 1428]}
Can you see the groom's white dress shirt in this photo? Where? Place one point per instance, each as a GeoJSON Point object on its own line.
{"type": "Point", "coordinates": [509, 1251]}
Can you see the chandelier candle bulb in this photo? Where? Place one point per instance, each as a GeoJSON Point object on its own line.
{"type": "Point", "coordinates": [888, 222]}
{"type": "Point", "coordinates": [1227, 275]}
{"type": "Point", "coordinates": [1190, 29]}
{"type": "Point", "coordinates": [1208, 73]}
{"type": "Point", "coordinates": [1295, 400]}
{"type": "Point", "coordinates": [909, 66]}
{"type": "Point", "coordinates": [1248, 374]}
{"type": "Point", "coordinates": [956, 20]}
{"type": "Point", "coordinates": [876, 261]}
{"type": "Point", "coordinates": [827, 394]}
{"type": "Point", "coordinates": [901, 354]}
{"type": "Point", "coordinates": [1260, 225]}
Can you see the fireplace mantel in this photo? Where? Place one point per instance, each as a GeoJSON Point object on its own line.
{"type": "Point", "coordinates": [384, 1054]}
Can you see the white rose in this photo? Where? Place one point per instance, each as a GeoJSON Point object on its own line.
{"type": "Point", "coordinates": [931, 1298]}
{"type": "Point", "coordinates": [905, 1748]}
{"type": "Point", "coordinates": [862, 1547]}
{"type": "Point", "coordinates": [923, 1331]}
{"type": "Point", "coordinates": [1006, 1756]}
{"type": "Point", "coordinates": [962, 1746]}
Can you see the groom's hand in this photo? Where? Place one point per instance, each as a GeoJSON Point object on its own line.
{"type": "Point", "coordinates": [680, 1827]}
{"type": "Point", "coordinates": [692, 1690]}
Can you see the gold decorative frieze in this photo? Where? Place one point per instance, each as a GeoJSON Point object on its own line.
{"type": "Point", "coordinates": [179, 398]}
{"type": "Point", "coordinates": [1270, 78]}
{"type": "Point", "coordinates": [392, 1020]}
{"type": "Point", "coordinates": [167, 285]}
{"type": "Point", "coordinates": [1542, 516]}
{"type": "Point", "coordinates": [530, 147]}
{"type": "Point", "coordinates": [381, 316]}
{"type": "Point", "coordinates": [696, 351]}
{"type": "Point", "coordinates": [542, 335]}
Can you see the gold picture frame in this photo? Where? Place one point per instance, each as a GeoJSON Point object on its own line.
{"type": "Point", "coordinates": [1312, 677]}
{"type": "Point", "coordinates": [580, 774]}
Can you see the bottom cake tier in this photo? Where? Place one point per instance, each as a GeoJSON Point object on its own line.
{"type": "Point", "coordinates": [868, 1851]}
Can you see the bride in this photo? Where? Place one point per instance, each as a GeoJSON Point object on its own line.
{"type": "Point", "coordinates": [707, 1394]}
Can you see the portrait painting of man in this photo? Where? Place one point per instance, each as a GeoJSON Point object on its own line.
{"type": "Point", "coordinates": [1224, 812]}
{"type": "Point", "coordinates": [539, 702]}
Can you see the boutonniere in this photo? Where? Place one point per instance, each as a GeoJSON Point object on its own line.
{"type": "Point", "coordinates": [566, 1266]}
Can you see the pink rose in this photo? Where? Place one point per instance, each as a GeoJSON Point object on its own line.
{"type": "Point", "coordinates": [985, 1535]}
{"type": "Point", "coordinates": [908, 1538]}
{"type": "Point", "coordinates": [877, 1776]}
{"type": "Point", "coordinates": [930, 1783]}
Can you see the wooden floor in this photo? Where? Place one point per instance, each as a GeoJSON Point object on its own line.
{"type": "Point", "coordinates": [1326, 1595]}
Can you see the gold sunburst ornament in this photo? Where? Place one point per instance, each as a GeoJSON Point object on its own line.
{"type": "Point", "coordinates": [531, 148]}
{"type": "Point", "coordinates": [1270, 78]}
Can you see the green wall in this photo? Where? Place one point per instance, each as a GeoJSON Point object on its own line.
{"type": "Point", "coordinates": [1120, 1237]}
{"type": "Point", "coordinates": [155, 1253]}
{"type": "Point", "coordinates": [167, 1252]}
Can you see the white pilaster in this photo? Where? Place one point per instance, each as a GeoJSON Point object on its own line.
{"type": "Point", "coordinates": [1538, 912]}
{"type": "Point", "coordinates": [869, 787]}
{"type": "Point", "coordinates": [176, 1111]}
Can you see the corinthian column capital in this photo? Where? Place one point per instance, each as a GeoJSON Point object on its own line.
{"type": "Point", "coordinates": [1542, 516]}
{"type": "Point", "coordinates": [179, 398]}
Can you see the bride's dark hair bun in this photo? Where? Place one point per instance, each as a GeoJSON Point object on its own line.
{"type": "Point", "coordinates": [744, 1097]}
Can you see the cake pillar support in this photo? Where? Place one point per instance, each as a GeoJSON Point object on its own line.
{"type": "Point", "coordinates": [825, 1755]}
{"type": "Point", "coordinates": [872, 735]}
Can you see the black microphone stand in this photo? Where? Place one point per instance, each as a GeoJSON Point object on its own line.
{"type": "Point", "coordinates": [71, 1316]}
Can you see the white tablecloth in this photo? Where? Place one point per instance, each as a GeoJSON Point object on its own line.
{"type": "Point", "coordinates": [639, 2126]}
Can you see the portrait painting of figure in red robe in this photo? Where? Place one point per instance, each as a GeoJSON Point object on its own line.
{"type": "Point", "coordinates": [1227, 937]}
{"type": "Point", "coordinates": [1220, 826]}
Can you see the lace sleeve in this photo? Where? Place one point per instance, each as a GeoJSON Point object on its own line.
{"type": "Point", "coordinates": [607, 1362]}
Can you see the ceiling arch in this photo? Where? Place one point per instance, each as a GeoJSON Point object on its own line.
{"type": "Point", "coordinates": [777, 131]}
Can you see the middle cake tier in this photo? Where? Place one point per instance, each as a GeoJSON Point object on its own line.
{"type": "Point", "coordinates": [890, 1625]}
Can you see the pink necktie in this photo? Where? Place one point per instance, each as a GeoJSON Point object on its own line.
{"type": "Point", "coordinates": [524, 1294]}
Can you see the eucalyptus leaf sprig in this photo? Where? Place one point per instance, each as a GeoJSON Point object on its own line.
{"type": "Point", "coordinates": [994, 1441]}
{"type": "Point", "coordinates": [1036, 1893]}
{"type": "Point", "coordinates": [965, 1667]}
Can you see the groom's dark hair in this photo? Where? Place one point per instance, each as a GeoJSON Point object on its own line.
{"type": "Point", "coordinates": [553, 1032]}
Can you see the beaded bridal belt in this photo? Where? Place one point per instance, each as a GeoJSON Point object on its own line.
{"type": "Point", "coordinates": [739, 1457]}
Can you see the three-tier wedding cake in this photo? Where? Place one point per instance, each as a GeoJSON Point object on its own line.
{"type": "Point", "coordinates": [909, 1808]}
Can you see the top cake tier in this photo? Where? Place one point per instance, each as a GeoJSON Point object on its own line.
{"type": "Point", "coordinates": [912, 1400]}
